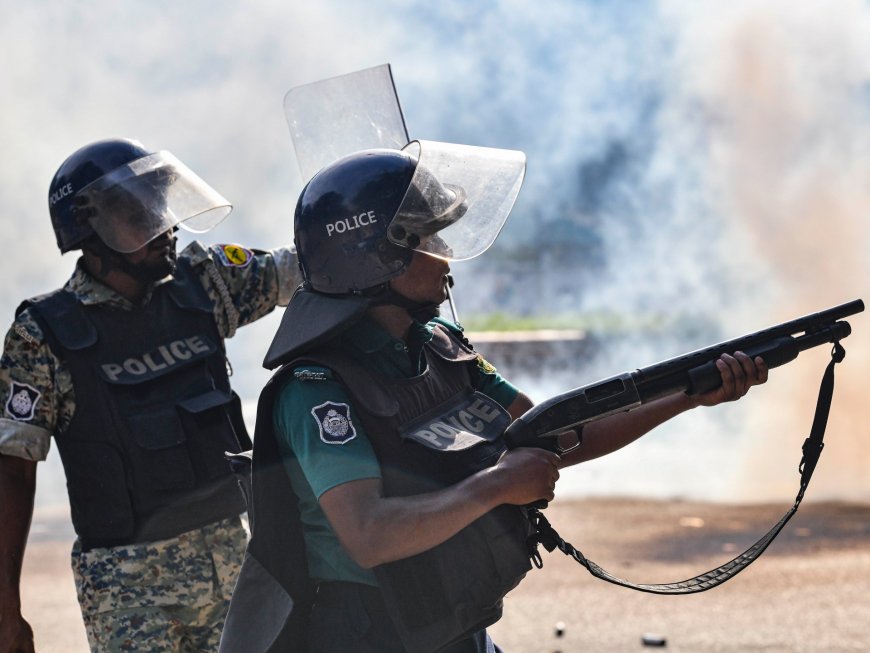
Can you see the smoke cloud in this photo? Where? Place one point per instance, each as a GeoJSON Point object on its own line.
{"type": "Point", "coordinates": [718, 153]}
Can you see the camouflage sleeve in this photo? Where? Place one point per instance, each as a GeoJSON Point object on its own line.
{"type": "Point", "coordinates": [36, 392]}
{"type": "Point", "coordinates": [244, 284]}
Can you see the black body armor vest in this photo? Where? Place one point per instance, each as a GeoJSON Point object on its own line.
{"type": "Point", "coordinates": [428, 432]}
{"type": "Point", "coordinates": [144, 452]}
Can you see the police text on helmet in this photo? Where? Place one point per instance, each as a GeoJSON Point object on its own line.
{"type": "Point", "coordinates": [353, 222]}
{"type": "Point", "coordinates": [59, 193]}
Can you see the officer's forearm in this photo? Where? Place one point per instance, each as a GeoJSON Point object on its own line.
{"type": "Point", "coordinates": [616, 431]}
{"type": "Point", "coordinates": [375, 530]}
{"type": "Point", "coordinates": [17, 487]}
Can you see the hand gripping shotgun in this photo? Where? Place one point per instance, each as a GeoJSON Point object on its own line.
{"type": "Point", "coordinates": [692, 373]}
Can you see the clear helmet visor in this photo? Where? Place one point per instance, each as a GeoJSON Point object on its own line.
{"type": "Point", "coordinates": [135, 203]}
{"type": "Point", "coordinates": [334, 117]}
{"type": "Point", "coordinates": [459, 198]}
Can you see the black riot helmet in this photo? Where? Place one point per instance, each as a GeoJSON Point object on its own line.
{"type": "Point", "coordinates": [128, 195]}
{"type": "Point", "coordinates": [342, 219]}
{"type": "Point", "coordinates": [360, 219]}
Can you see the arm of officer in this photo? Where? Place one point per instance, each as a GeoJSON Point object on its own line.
{"type": "Point", "coordinates": [375, 529]}
{"type": "Point", "coordinates": [245, 284]}
{"type": "Point", "coordinates": [739, 373]}
{"type": "Point", "coordinates": [33, 387]}
{"type": "Point", "coordinates": [17, 487]}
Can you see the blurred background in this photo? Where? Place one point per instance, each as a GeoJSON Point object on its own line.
{"type": "Point", "coordinates": [696, 171]}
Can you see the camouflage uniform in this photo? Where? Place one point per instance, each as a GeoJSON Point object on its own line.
{"type": "Point", "coordinates": [173, 593]}
{"type": "Point", "coordinates": [122, 589]}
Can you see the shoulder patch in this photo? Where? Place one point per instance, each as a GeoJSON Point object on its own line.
{"type": "Point", "coordinates": [312, 373]}
{"type": "Point", "coordinates": [21, 404]}
{"type": "Point", "coordinates": [234, 255]}
{"type": "Point", "coordinates": [25, 335]}
{"type": "Point", "coordinates": [485, 366]}
{"type": "Point", "coordinates": [333, 420]}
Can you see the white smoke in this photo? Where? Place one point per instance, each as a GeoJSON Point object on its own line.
{"type": "Point", "coordinates": [729, 145]}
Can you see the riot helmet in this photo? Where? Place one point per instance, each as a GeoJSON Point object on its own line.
{"type": "Point", "coordinates": [359, 221]}
{"type": "Point", "coordinates": [342, 218]}
{"type": "Point", "coordinates": [128, 196]}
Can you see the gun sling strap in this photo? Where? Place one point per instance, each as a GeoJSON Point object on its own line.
{"type": "Point", "coordinates": [812, 449]}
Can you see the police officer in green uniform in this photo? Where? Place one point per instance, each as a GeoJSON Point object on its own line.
{"type": "Point", "coordinates": [125, 367]}
{"type": "Point", "coordinates": [380, 475]}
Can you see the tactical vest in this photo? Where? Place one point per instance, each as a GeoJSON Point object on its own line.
{"type": "Point", "coordinates": [154, 414]}
{"type": "Point", "coordinates": [428, 432]}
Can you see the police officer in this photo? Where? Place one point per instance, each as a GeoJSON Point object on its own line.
{"type": "Point", "coordinates": [387, 424]}
{"type": "Point", "coordinates": [125, 366]}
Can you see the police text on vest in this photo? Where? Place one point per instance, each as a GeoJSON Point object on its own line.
{"type": "Point", "coordinates": [161, 358]}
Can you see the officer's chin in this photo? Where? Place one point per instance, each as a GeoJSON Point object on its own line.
{"type": "Point", "coordinates": [170, 264]}
{"type": "Point", "coordinates": [170, 268]}
{"type": "Point", "coordinates": [155, 271]}
{"type": "Point", "coordinates": [167, 262]}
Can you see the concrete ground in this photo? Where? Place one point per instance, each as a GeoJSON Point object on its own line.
{"type": "Point", "coordinates": [810, 592]}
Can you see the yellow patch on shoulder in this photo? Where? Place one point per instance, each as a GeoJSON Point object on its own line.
{"type": "Point", "coordinates": [485, 366]}
{"type": "Point", "coordinates": [234, 255]}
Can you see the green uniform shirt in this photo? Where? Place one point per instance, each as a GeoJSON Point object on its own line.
{"type": "Point", "coordinates": [316, 463]}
